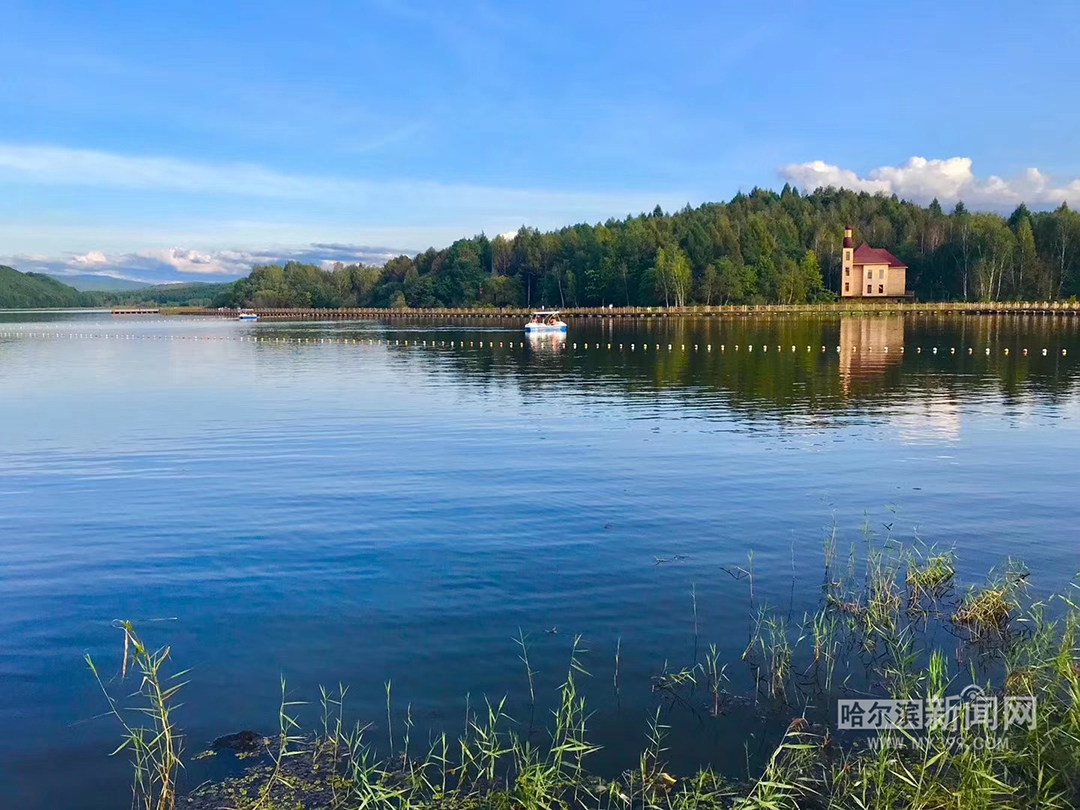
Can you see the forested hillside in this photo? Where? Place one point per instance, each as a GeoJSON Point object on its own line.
{"type": "Point", "coordinates": [189, 294]}
{"type": "Point", "coordinates": [28, 290]}
{"type": "Point", "coordinates": [759, 247]}
{"type": "Point", "coordinates": [35, 290]}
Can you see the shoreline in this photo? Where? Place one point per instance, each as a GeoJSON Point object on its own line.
{"type": "Point", "coordinates": [1047, 308]}
{"type": "Point", "coordinates": [1040, 308]}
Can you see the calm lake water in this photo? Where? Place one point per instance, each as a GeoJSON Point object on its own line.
{"type": "Point", "coordinates": [344, 512]}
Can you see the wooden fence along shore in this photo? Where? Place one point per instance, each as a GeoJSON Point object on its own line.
{"type": "Point", "coordinates": [833, 308]}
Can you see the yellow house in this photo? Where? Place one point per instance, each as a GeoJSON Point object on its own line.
{"type": "Point", "coordinates": [868, 272]}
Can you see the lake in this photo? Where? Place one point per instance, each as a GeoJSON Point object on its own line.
{"type": "Point", "coordinates": [323, 502]}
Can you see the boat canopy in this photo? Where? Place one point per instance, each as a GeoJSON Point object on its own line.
{"type": "Point", "coordinates": [546, 312]}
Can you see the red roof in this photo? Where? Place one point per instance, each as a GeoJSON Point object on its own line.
{"type": "Point", "coordinates": [864, 254]}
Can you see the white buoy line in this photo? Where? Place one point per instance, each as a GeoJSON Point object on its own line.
{"type": "Point", "coordinates": [512, 344]}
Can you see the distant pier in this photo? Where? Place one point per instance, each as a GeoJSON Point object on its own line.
{"type": "Point", "coordinates": [135, 311]}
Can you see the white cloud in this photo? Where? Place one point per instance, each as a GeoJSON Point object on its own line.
{"type": "Point", "coordinates": [949, 180]}
{"type": "Point", "coordinates": [91, 258]}
{"type": "Point", "coordinates": [182, 264]}
{"type": "Point", "coordinates": [225, 262]}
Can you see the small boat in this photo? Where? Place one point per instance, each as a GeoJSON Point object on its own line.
{"type": "Point", "coordinates": [546, 320]}
{"type": "Point", "coordinates": [247, 316]}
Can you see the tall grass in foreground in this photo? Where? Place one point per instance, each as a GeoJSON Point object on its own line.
{"type": "Point", "coordinates": [150, 736]}
{"type": "Point", "coordinates": [900, 627]}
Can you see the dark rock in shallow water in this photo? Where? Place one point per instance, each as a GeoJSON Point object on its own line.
{"type": "Point", "coordinates": [241, 741]}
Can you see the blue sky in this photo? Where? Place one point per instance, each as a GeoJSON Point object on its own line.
{"type": "Point", "coordinates": [185, 141]}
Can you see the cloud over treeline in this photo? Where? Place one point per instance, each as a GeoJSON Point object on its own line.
{"type": "Point", "coordinates": [949, 180]}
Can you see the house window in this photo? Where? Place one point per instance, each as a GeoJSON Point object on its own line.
{"type": "Point", "coordinates": [869, 289]}
{"type": "Point", "coordinates": [881, 289]}
{"type": "Point", "coordinates": [869, 274]}
{"type": "Point", "coordinates": [847, 271]}
{"type": "Point", "coordinates": [847, 287]}
{"type": "Point", "coordinates": [881, 273]}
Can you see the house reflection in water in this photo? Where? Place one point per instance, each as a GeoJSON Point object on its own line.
{"type": "Point", "coordinates": [863, 344]}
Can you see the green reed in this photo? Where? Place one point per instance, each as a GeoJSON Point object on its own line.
{"type": "Point", "coordinates": [874, 629]}
{"type": "Point", "coordinates": [149, 733]}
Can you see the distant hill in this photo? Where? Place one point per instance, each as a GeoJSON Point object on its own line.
{"type": "Point", "coordinates": [92, 283]}
{"type": "Point", "coordinates": [193, 294]}
{"type": "Point", "coordinates": [36, 290]}
{"type": "Point", "coordinates": [28, 290]}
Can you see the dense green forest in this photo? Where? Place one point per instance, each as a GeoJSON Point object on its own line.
{"type": "Point", "coordinates": [26, 290]}
{"type": "Point", "coordinates": [758, 248]}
